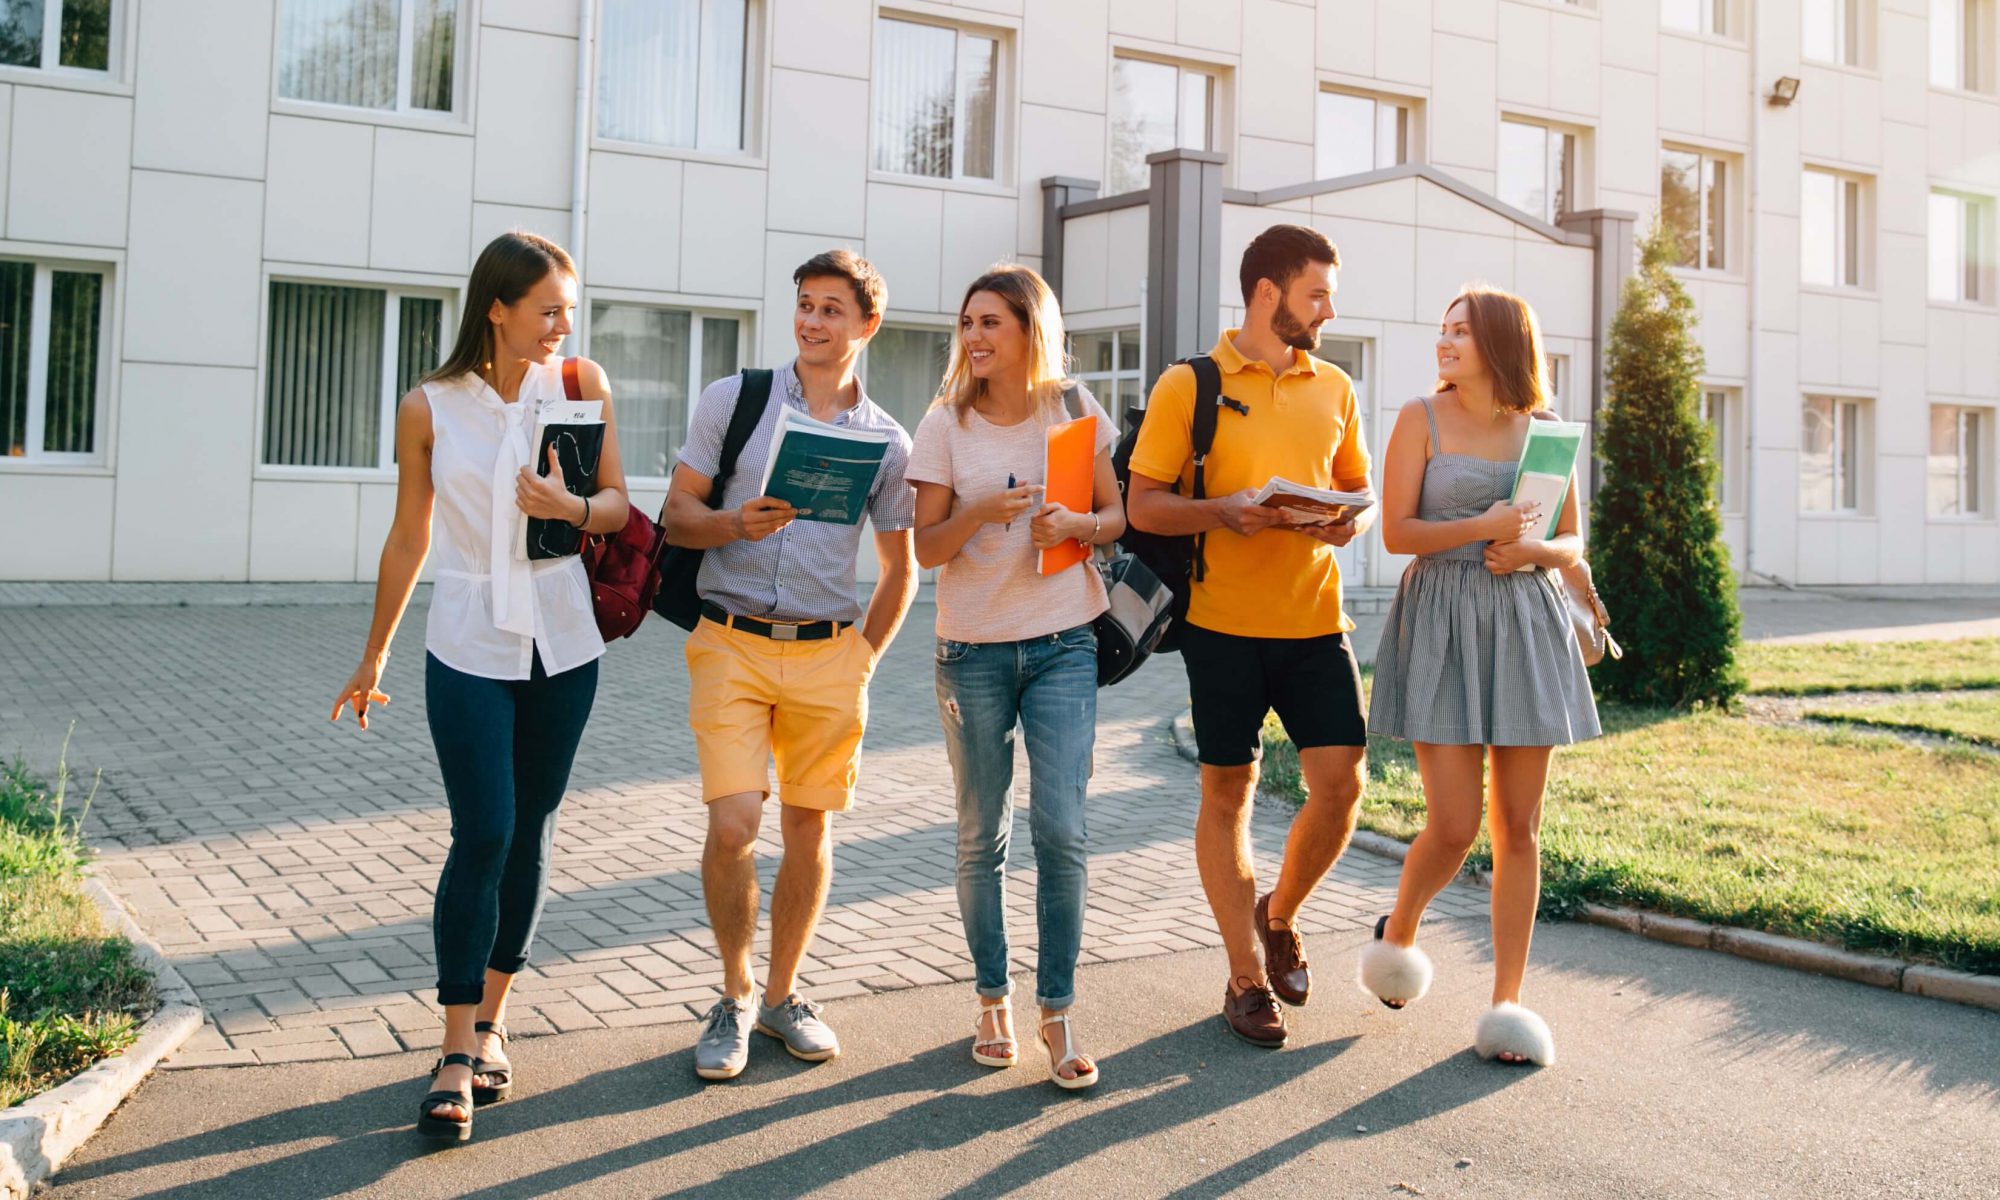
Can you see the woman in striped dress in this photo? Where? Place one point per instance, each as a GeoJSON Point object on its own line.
{"type": "Point", "coordinates": [1477, 666]}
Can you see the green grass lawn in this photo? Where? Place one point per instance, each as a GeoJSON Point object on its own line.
{"type": "Point", "coordinates": [1842, 835]}
{"type": "Point", "coordinates": [1969, 716]}
{"type": "Point", "coordinates": [71, 992]}
{"type": "Point", "coordinates": [1814, 670]}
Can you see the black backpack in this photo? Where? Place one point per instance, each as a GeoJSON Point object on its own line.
{"type": "Point", "coordinates": [677, 599]}
{"type": "Point", "coordinates": [1175, 559]}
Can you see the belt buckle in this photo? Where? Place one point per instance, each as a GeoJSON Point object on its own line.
{"type": "Point", "coordinates": [784, 633]}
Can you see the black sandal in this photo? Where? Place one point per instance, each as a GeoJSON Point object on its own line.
{"type": "Point", "coordinates": [491, 1066]}
{"type": "Point", "coordinates": [444, 1128]}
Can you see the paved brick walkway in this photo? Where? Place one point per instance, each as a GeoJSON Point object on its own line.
{"type": "Point", "coordinates": [286, 865]}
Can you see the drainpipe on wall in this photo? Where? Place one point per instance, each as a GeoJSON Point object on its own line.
{"type": "Point", "coordinates": [1754, 166]}
{"type": "Point", "coordinates": [579, 182]}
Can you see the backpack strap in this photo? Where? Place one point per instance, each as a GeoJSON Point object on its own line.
{"type": "Point", "coordinates": [572, 378]}
{"type": "Point", "coordinates": [1073, 400]}
{"type": "Point", "coordinates": [1207, 400]}
{"type": "Point", "coordinates": [753, 396]}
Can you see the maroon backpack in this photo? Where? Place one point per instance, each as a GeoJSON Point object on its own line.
{"type": "Point", "coordinates": [624, 567]}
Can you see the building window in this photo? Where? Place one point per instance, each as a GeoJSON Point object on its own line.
{"type": "Point", "coordinates": [657, 361]}
{"type": "Point", "coordinates": [52, 354]}
{"type": "Point", "coordinates": [1107, 362]}
{"type": "Point", "coordinates": [671, 72]}
{"type": "Point", "coordinates": [1961, 248]}
{"type": "Point", "coordinates": [340, 357]}
{"type": "Point", "coordinates": [1156, 106]}
{"type": "Point", "coordinates": [1537, 169]}
{"type": "Point", "coordinates": [1836, 31]}
{"type": "Point", "coordinates": [1831, 454]}
{"type": "Point", "coordinates": [1833, 230]}
{"type": "Point", "coordinates": [1962, 44]}
{"type": "Point", "coordinates": [1957, 468]}
{"type": "Point", "coordinates": [1721, 408]}
{"type": "Point", "coordinates": [71, 35]}
{"type": "Point", "coordinates": [1694, 204]}
{"type": "Point", "coordinates": [1359, 134]}
{"type": "Point", "coordinates": [902, 369]}
{"type": "Point", "coordinates": [1557, 382]}
{"type": "Point", "coordinates": [1696, 16]}
{"type": "Point", "coordinates": [388, 55]}
{"type": "Point", "coordinates": [936, 100]}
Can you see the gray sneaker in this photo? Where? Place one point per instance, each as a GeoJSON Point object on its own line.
{"type": "Point", "coordinates": [724, 1046]}
{"type": "Point", "coordinates": [796, 1023]}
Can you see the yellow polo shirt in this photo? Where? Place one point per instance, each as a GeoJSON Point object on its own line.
{"type": "Point", "coordinates": [1304, 425]}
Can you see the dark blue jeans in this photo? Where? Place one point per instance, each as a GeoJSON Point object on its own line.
{"type": "Point", "coordinates": [1046, 687]}
{"type": "Point", "coordinates": [504, 747]}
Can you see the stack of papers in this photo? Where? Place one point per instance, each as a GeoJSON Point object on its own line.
{"type": "Point", "coordinates": [1305, 505]}
{"type": "Point", "coordinates": [824, 471]}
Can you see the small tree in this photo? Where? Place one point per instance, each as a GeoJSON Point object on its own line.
{"type": "Point", "coordinates": [1656, 535]}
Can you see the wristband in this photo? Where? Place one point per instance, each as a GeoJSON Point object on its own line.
{"type": "Point", "coordinates": [586, 513]}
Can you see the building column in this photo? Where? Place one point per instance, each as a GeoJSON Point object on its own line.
{"type": "Point", "coordinates": [1058, 193]}
{"type": "Point", "coordinates": [1183, 313]}
{"type": "Point", "coordinates": [1613, 230]}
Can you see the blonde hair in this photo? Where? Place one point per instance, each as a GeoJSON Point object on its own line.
{"type": "Point", "coordinates": [1509, 337]}
{"type": "Point", "coordinates": [1028, 296]}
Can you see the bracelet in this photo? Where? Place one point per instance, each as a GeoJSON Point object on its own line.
{"type": "Point", "coordinates": [376, 652]}
{"type": "Point", "coordinates": [1096, 526]}
{"type": "Point", "coordinates": [586, 513]}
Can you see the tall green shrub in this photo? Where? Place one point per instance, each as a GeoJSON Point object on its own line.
{"type": "Point", "coordinates": [1656, 534]}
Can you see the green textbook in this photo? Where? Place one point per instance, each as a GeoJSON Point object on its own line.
{"type": "Point", "coordinates": [1547, 459]}
{"type": "Point", "coordinates": [825, 471]}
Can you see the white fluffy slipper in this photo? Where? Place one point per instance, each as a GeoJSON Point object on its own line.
{"type": "Point", "coordinates": [1507, 1028]}
{"type": "Point", "coordinates": [1392, 972]}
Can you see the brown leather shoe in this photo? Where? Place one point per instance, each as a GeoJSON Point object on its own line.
{"type": "Point", "coordinates": [1253, 1014]}
{"type": "Point", "coordinates": [1284, 957]}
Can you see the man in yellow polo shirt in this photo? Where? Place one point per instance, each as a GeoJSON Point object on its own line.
{"type": "Point", "coordinates": [1265, 629]}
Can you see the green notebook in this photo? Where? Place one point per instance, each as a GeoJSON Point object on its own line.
{"type": "Point", "coordinates": [1547, 459]}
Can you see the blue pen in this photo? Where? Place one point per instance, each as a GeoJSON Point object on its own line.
{"type": "Point", "coordinates": [1010, 487]}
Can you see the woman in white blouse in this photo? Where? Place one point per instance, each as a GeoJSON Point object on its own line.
{"type": "Point", "coordinates": [511, 667]}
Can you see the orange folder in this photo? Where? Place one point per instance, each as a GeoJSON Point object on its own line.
{"type": "Point", "coordinates": [1068, 475]}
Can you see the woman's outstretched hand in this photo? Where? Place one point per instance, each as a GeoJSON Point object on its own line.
{"type": "Point", "coordinates": [361, 690]}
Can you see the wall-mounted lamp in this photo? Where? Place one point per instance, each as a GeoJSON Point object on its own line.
{"type": "Point", "coordinates": [1784, 91]}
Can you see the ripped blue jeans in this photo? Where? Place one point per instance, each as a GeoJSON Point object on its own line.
{"type": "Point", "coordinates": [1047, 687]}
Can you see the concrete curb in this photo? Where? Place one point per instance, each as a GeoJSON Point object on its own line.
{"type": "Point", "coordinates": [38, 1135]}
{"type": "Point", "coordinates": [1893, 974]}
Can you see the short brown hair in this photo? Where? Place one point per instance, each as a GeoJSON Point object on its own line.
{"type": "Point", "coordinates": [869, 290]}
{"type": "Point", "coordinates": [1280, 253]}
{"type": "Point", "coordinates": [1509, 337]}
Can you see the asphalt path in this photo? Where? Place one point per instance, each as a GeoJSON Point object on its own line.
{"type": "Point", "coordinates": [1681, 1073]}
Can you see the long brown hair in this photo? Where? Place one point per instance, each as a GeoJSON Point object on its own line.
{"type": "Point", "coordinates": [1509, 337]}
{"type": "Point", "coordinates": [1028, 297]}
{"type": "Point", "coordinates": [510, 265]}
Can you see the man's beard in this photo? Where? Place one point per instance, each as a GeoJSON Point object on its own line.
{"type": "Point", "coordinates": [1294, 332]}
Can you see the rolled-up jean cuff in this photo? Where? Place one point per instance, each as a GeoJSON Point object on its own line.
{"type": "Point", "coordinates": [461, 993]}
{"type": "Point", "coordinates": [511, 966]}
{"type": "Point", "coordinates": [1059, 1004]}
{"type": "Point", "coordinates": [996, 993]}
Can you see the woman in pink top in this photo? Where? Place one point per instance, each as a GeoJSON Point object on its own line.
{"type": "Point", "coordinates": [1015, 647]}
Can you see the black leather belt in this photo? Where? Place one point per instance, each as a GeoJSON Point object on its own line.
{"type": "Point", "coordinates": [810, 631]}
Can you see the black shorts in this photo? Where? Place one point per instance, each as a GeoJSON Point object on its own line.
{"type": "Point", "coordinates": [1313, 683]}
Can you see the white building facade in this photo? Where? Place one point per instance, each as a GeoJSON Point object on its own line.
{"type": "Point", "coordinates": [232, 232]}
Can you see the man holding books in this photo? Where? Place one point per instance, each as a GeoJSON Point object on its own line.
{"type": "Point", "coordinates": [1264, 627]}
{"type": "Point", "coordinates": [778, 667]}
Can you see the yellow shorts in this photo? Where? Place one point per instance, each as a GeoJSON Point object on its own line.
{"type": "Point", "coordinates": [752, 699]}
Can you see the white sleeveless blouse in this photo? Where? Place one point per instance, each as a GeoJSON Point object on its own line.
{"type": "Point", "coordinates": [491, 611]}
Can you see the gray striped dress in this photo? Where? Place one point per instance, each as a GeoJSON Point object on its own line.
{"type": "Point", "coordinates": [1470, 658]}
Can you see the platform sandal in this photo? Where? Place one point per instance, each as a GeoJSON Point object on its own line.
{"type": "Point", "coordinates": [980, 1043]}
{"type": "Point", "coordinates": [1084, 1079]}
{"type": "Point", "coordinates": [445, 1129]}
{"type": "Point", "coordinates": [494, 1094]}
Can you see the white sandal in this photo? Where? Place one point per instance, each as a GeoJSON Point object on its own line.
{"type": "Point", "coordinates": [978, 1023]}
{"type": "Point", "coordinates": [1395, 975]}
{"type": "Point", "coordinates": [1083, 1079]}
{"type": "Point", "coordinates": [1507, 1028]}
